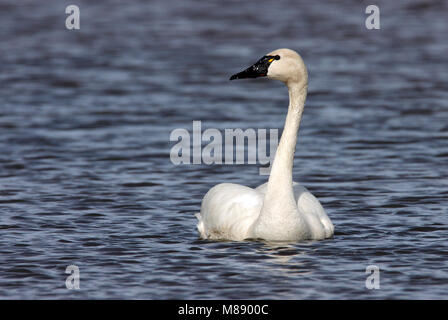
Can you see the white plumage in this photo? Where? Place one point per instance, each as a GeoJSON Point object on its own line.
{"type": "Point", "coordinates": [280, 209]}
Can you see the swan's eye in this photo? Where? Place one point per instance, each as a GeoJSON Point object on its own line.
{"type": "Point", "coordinates": [272, 58]}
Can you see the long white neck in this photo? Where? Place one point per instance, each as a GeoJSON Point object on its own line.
{"type": "Point", "coordinates": [279, 204]}
{"type": "Point", "coordinates": [280, 179]}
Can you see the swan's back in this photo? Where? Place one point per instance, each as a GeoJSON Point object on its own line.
{"type": "Point", "coordinates": [228, 211]}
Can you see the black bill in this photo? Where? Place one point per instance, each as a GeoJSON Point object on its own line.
{"type": "Point", "coordinates": [258, 69]}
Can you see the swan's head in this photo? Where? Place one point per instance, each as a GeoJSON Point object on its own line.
{"type": "Point", "coordinates": [285, 65]}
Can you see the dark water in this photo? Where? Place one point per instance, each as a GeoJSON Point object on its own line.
{"type": "Point", "coordinates": [85, 172]}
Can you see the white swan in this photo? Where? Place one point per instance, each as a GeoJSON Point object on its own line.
{"type": "Point", "coordinates": [279, 210]}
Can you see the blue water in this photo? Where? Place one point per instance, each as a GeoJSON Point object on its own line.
{"type": "Point", "coordinates": [85, 172]}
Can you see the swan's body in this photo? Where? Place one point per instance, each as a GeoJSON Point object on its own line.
{"type": "Point", "coordinates": [279, 209]}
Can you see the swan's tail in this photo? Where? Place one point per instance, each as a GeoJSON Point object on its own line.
{"type": "Point", "coordinates": [201, 227]}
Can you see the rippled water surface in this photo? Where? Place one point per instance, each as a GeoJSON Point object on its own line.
{"type": "Point", "coordinates": [85, 171]}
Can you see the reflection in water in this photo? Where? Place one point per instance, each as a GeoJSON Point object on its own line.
{"type": "Point", "coordinates": [286, 257]}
